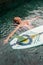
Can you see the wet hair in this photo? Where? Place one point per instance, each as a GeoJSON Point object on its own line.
{"type": "Point", "coordinates": [16, 20]}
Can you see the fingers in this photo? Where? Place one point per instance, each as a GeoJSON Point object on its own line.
{"type": "Point", "coordinates": [38, 16]}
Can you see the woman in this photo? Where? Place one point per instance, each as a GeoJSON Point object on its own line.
{"type": "Point", "coordinates": [21, 23]}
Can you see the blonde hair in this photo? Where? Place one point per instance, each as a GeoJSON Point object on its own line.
{"type": "Point", "coordinates": [17, 18]}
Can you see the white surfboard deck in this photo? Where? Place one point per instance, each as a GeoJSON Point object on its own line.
{"type": "Point", "coordinates": [38, 40]}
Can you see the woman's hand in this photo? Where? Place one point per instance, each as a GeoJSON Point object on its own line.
{"type": "Point", "coordinates": [37, 16]}
{"type": "Point", "coordinates": [5, 41]}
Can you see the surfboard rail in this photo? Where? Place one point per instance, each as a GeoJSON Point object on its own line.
{"type": "Point", "coordinates": [37, 39]}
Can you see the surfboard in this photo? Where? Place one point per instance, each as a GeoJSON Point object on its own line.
{"type": "Point", "coordinates": [28, 39]}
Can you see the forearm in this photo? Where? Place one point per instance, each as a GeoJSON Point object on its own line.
{"type": "Point", "coordinates": [34, 18]}
{"type": "Point", "coordinates": [12, 33]}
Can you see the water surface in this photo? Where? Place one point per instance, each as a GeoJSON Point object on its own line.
{"type": "Point", "coordinates": [25, 11]}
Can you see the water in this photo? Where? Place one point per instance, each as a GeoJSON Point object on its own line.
{"type": "Point", "coordinates": [25, 11]}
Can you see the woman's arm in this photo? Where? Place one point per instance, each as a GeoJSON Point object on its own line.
{"type": "Point", "coordinates": [32, 19]}
{"type": "Point", "coordinates": [11, 34]}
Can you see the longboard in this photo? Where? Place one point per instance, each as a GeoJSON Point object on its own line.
{"type": "Point", "coordinates": [28, 39]}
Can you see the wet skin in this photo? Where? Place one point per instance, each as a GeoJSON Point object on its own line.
{"type": "Point", "coordinates": [21, 23]}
